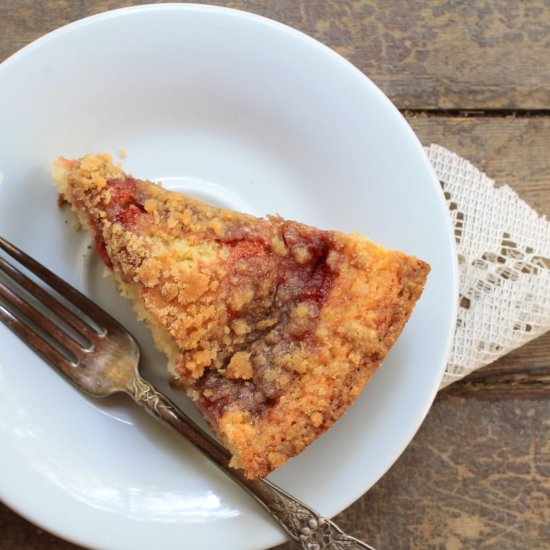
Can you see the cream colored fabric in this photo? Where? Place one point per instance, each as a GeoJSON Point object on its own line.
{"type": "Point", "coordinates": [503, 251]}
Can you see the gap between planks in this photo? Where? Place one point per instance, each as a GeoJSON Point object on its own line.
{"type": "Point", "coordinates": [476, 113]}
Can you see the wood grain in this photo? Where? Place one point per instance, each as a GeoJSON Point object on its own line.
{"type": "Point", "coordinates": [490, 491]}
{"type": "Point", "coordinates": [439, 54]}
{"type": "Point", "coordinates": [477, 474]}
{"type": "Point", "coordinates": [512, 151]}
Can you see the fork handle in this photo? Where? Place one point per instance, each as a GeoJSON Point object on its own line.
{"type": "Point", "coordinates": [302, 523]}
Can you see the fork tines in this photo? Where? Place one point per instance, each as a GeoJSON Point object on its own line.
{"type": "Point", "coordinates": [54, 330]}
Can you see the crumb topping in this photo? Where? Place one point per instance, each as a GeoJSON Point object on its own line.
{"type": "Point", "coordinates": [273, 327]}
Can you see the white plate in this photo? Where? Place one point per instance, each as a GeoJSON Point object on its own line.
{"type": "Point", "coordinates": [250, 114]}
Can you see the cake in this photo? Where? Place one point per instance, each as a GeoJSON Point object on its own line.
{"type": "Point", "coordinates": [272, 327]}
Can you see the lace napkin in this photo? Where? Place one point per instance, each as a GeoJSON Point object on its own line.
{"type": "Point", "coordinates": [503, 251]}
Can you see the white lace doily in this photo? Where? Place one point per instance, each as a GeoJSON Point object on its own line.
{"type": "Point", "coordinates": [503, 251]}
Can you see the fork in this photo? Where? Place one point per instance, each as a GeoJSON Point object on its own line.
{"type": "Point", "coordinates": [98, 355]}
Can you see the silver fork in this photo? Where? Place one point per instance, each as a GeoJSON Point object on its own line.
{"type": "Point", "coordinates": [99, 356]}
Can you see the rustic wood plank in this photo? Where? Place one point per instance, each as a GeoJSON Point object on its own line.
{"type": "Point", "coordinates": [18, 534]}
{"type": "Point", "coordinates": [511, 151]}
{"type": "Point", "coordinates": [522, 374]}
{"type": "Point", "coordinates": [491, 491]}
{"type": "Point", "coordinates": [426, 54]}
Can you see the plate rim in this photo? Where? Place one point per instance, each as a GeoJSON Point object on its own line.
{"type": "Point", "coordinates": [192, 7]}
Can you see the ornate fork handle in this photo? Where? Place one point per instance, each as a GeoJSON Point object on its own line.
{"type": "Point", "coordinates": [301, 522]}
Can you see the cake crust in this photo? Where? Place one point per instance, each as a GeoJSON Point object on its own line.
{"type": "Point", "coordinates": [272, 327]}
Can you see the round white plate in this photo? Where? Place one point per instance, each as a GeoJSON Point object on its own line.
{"type": "Point", "coordinates": [246, 113]}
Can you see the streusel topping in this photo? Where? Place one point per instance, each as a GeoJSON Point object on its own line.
{"type": "Point", "coordinates": [273, 327]}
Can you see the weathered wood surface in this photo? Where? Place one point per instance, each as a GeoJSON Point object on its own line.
{"type": "Point", "coordinates": [424, 54]}
{"type": "Point", "coordinates": [489, 493]}
{"type": "Point", "coordinates": [510, 150]}
{"type": "Point", "coordinates": [477, 475]}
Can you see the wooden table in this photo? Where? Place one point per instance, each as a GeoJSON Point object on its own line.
{"type": "Point", "coordinates": [475, 78]}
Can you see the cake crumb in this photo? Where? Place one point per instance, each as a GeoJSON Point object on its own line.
{"type": "Point", "coordinates": [316, 419]}
{"type": "Point", "coordinates": [239, 366]}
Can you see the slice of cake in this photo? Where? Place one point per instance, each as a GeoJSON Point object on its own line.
{"type": "Point", "coordinates": [271, 326]}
